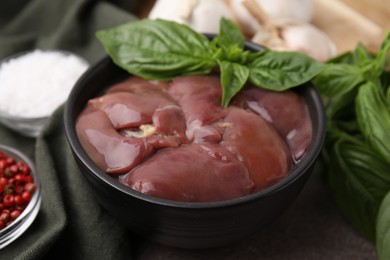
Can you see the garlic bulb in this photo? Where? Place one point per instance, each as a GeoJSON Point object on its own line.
{"type": "Point", "coordinates": [289, 35]}
{"type": "Point", "coordinates": [202, 15]}
{"type": "Point", "coordinates": [308, 39]}
{"type": "Point", "coordinates": [302, 37]}
{"type": "Point", "coordinates": [298, 10]}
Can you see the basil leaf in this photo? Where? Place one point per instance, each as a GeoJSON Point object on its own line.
{"type": "Point", "coordinates": [231, 53]}
{"type": "Point", "coordinates": [158, 49]}
{"type": "Point", "coordinates": [338, 79]}
{"type": "Point", "coordinates": [360, 180]}
{"type": "Point", "coordinates": [341, 107]}
{"type": "Point", "coordinates": [355, 57]}
{"type": "Point", "coordinates": [230, 34]}
{"type": "Point", "coordinates": [233, 78]}
{"type": "Point", "coordinates": [383, 229]}
{"type": "Point", "coordinates": [385, 79]}
{"type": "Point", "coordinates": [229, 43]}
{"type": "Point", "coordinates": [373, 70]}
{"type": "Point", "coordinates": [373, 116]}
{"type": "Point", "coordinates": [382, 54]}
{"type": "Point", "coordinates": [388, 96]}
{"type": "Point", "coordinates": [362, 55]}
{"type": "Point", "coordinates": [282, 70]}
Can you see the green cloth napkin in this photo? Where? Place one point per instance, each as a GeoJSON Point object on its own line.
{"type": "Point", "coordinates": [70, 223]}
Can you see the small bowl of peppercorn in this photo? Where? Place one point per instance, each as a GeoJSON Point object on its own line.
{"type": "Point", "coordinates": [20, 194]}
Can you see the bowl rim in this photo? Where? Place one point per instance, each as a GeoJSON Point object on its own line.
{"type": "Point", "coordinates": [295, 173]}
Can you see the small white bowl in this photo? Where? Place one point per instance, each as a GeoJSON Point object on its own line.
{"type": "Point", "coordinates": [28, 125]}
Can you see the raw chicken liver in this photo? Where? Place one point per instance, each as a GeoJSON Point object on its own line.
{"type": "Point", "coordinates": [195, 172]}
{"type": "Point", "coordinates": [174, 141]}
{"type": "Point", "coordinates": [285, 110]}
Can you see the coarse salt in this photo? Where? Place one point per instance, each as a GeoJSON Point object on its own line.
{"type": "Point", "coordinates": [36, 83]}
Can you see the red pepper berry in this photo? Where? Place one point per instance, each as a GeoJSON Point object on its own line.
{"type": "Point", "coordinates": [18, 200]}
{"type": "Point", "coordinates": [19, 178]}
{"type": "Point", "coordinates": [4, 216]}
{"type": "Point", "coordinates": [3, 184]}
{"type": "Point", "coordinates": [10, 160]}
{"type": "Point", "coordinates": [28, 178]}
{"type": "Point", "coordinates": [30, 187]}
{"type": "Point", "coordinates": [18, 189]}
{"type": "Point", "coordinates": [3, 165]}
{"type": "Point", "coordinates": [15, 213]}
{"type": "Point", "coordinates": [3, 181]}
{"type": "Point", "coordinates": [8, 200]}
{"type": "Point", "coordinates": [13, 169]}
{"type": "Point", "coordinates": [24, 169]}
{"type": "Point", "coordinates": [11, 181]}
{"type": "Point", "coordinates": [26, 196]}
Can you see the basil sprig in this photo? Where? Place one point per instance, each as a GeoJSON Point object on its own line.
{"type": "Point", "coordinates": [356, 86]}
{"type": "Point", "coordinates": [161, 49]}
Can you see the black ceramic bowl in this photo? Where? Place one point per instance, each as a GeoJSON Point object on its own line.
{"type": "Point", "coordinates": [182, 224]}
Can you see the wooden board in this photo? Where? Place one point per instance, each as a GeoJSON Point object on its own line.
{"type": "Point", "coordinates": [347, 24]}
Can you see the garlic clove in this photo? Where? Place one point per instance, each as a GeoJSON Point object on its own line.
{"type": "Point", "coordinates": [173, 10]}
{"type": "Point", "coordinates": [206, 15]}
{"type": "Point", "coordinates": [299, 10]}
{"type": "Point", "coordinates": [202, 15]}
{"type": "Point", "coordinates": [301, 37]}
{"type": "Point", "coordinates": [309, 39]}
{"type": "Point", "coordinates": [287, 34]}
{"type": "Point", "coordinates": [248, 24]}
{"type": "Point", "coordinates": [265, 38]}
